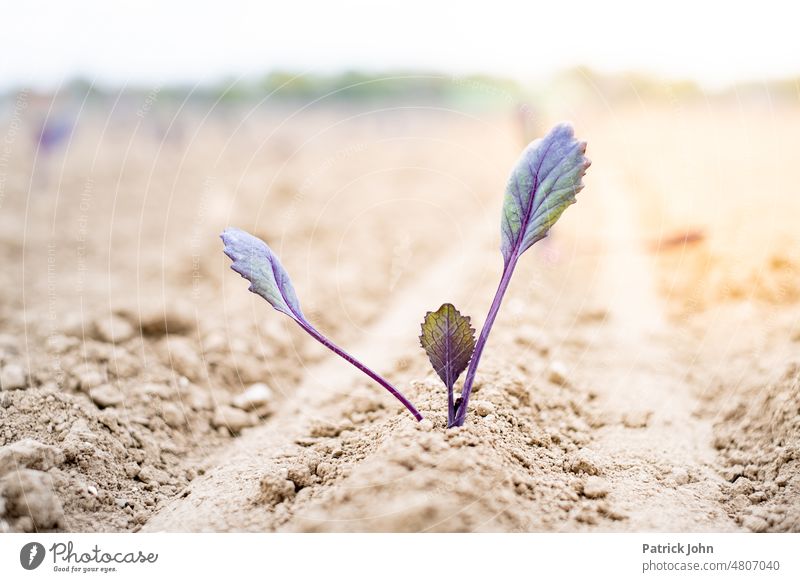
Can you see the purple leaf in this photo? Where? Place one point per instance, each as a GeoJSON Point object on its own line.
{"type": "Point", "coordinates": [256, 262]}
{"type": "Point", "coordinates": [542, 184]}
{"type": "Point", "coordinates": [448, 339]}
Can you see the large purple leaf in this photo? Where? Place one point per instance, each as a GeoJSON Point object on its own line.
{"type": "Point", "coordinates": [544, 181]}
{"type": "Point", "coordinates": [256, 262]}
{"type": "Point", "coordinates": [542, 184]}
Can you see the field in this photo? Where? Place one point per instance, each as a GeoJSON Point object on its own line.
{"type": "Point", "coordinates": [643, 374]}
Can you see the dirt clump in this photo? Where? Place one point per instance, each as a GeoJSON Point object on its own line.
{"type": "Point", "coordinates": [758, 437]}
{"type": "Point", "coordinates": [512, 467]}
{"type": "Point", "coordinates": [104, 430]}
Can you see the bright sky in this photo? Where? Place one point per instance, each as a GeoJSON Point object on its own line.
{"type": "Point", "coordinates": [147, 41]}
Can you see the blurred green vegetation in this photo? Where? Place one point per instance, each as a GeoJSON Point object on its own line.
{"type": "Point", "coordinates": [577, 85]}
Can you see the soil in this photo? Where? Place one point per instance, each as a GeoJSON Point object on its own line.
{"type": "Point", "coordinates": [627, 385]}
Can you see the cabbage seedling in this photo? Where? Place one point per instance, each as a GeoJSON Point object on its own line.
{"type": "Point", "coordinates": [544, 181]}
{"type": "Point", "coordinates": [256, 262]}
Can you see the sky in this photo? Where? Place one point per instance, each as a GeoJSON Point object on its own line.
{"type": "Point", "coordinates": [45, 43]}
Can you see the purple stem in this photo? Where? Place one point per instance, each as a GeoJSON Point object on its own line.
{"type": "Point", "coordinates": [451, 408]}
{"type": "Point", "coordinates": [347, 357]}
{"type": "Point", "coordinates": [461, 413]}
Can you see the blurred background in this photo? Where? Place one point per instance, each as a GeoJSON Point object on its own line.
{"type": "Point", "coordinates": [360, 140]}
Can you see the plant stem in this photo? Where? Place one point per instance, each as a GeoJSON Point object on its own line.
{"type": "Point", "coordinates": [451, 408]}
{"type": "Point", "coordinates": [461, 413]}
{"type": "Point", "coordinates": [347, 357]}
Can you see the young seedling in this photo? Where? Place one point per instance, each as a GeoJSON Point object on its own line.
{"type": "Point", "coordinates": [544, 181]}
{"type": "Point", "coordinates": [256, 262]}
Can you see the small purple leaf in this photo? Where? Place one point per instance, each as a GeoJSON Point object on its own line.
{"type": "Point", "coordinates": [448, 339]}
